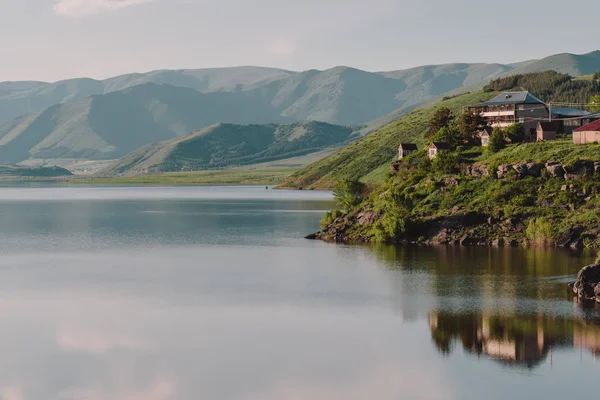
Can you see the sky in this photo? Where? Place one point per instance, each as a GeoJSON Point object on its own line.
{"type": "Point", "coordinates": [51, 40]}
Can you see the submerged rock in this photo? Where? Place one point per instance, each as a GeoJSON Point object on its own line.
{"type": "Point", "coordinates": [587, 284]}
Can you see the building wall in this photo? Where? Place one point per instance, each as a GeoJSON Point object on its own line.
{"type": "Point", "coordinates": [586, 137]}
{"type": "Point", "coordinates": [545, 135]}
{"type": "Point", "coordinates": [530, 114]}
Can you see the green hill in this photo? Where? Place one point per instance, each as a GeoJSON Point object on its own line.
{"type": "Point", "coordinates": [228, 145]}
{"type": "Point", "coordinates": [364, 158]}
{"type": "Point", "coordinates": [15, 171]}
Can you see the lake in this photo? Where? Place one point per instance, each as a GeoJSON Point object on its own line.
{"type": "Point", "coordinates": [212, 293]}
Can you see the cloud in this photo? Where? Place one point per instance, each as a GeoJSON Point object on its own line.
{"type": "Point", "coordinates": [281, 47]}
{"type": "Point", "coordinates": [82, 8]}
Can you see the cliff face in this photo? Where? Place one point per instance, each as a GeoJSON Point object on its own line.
{"type": "Point", "coordinates": [478, 202]}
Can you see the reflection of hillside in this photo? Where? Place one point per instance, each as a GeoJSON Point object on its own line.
{"type": "Point", "coordinates": [516, 340]}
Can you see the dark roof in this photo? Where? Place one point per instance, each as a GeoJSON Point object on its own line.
{"type": "Point", "coordinates": [513, 98]}
{"type": "Point", "coordinates": [594, 126]}
{"type": "Point", "coordinates": [548, 126]}
{"type": "Point", "coordinates": [569, 112]}
{"type": "Point", "coordinates": [408, 146]}
{"type": "Point", "coordinates": [485, 129]}
{"type": "Point", "coordinates": [441, 145]}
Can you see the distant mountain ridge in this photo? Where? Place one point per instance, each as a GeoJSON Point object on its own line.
{"type": "Point", "coordinates": [91, 119]}
{"type": "Point", "coordinates": [110, 126]}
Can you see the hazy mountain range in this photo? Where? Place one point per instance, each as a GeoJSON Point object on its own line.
{"type": "Point", "coordinates": [92, 119]}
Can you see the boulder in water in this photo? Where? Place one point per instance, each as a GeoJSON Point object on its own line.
{"type": "Point", "coordinates": [587, 284]}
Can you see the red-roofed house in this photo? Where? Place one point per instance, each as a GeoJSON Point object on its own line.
{"type": "Point", "coordinates": [589, 133]}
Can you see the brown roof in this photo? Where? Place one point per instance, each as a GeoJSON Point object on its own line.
{"type": "Point", "coordinates": [441, 145]}
{"type": "Point", "coordinates": [594, 126]}
{"type": "Point", "coordinates": [548, 126]}
{"type": "Point", "coordinates": [408, 146]}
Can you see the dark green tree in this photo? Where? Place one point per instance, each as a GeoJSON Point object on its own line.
{"type": "Point", "coordinates": [497, 141]}
{"type": "Point", "coordinates": [597, 76]}
{"type": "Point", "coordinates": [469, 124]}
{"type": "Point", "coordinates": [441, 119]}
{"type": "Point", "coordinates": [348, 193]}
{"type": "Point", "coordinates": [449, 135]}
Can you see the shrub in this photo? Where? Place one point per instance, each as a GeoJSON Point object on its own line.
{"type": "Point", "coordinates": [348, 193]}
{"type": "Point", "coordinates": [330, 217]}
{"type": "Point", "coordinates": [447, 162]}
{"type": "Point", "coordinates": [540, 232]}
{"type": "Point", "coordinates": [515, 132]}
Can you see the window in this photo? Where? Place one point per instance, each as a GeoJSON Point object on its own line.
{"type": "Point", "coordinates": [485, 141]}
{"type": "Point", "coordinates": [521, 107]}
{"type": "Point", "coordinates": [432, 152]}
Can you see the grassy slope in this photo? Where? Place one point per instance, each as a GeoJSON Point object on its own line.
{"type": "Point", "coordinates": [368, 158]}
{"type": "Point", "coordinates": [560, 150]}
{"type": "Point", "coordinates": [503, 208]}
{"type": "Point", "coordinates": [270, 176]}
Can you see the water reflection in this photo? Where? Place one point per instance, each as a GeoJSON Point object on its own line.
{"type": "Point", "coordinates": [214, 294]}
{"type": "Point", "coordinates": [513, 340]}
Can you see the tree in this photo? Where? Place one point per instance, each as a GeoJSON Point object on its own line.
{"type": "Point", "coordinates": [441, 119]}
{"type": "Point", "coordinates": [449, 135]}
{"type": "Point", "coordinates": [597, 76]}
{"type": "Point", "coordinates": [595, 103]}
{"type": "Point", "coordinates": [515, 132]}
{"type": "Point", "coordinates": [497, 141]}
{"type": "Point", "coordinates": [469, 124]}
{"type": "Point", "coordinates": [348, 193]}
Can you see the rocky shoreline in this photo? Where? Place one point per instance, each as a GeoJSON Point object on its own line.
{"type": "Point", "coordinates": [470, 229]}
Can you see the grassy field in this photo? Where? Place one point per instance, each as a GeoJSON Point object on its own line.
{"type": "Point", "coordinates": [368, 159]}
{"type": "Point", "coordinates": [271, 176]}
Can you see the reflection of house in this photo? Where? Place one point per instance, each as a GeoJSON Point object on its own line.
{"type": "Point", "coordinates": [589, 133]}
{"type": "Point", "coordinates": [436, 147]}
{"type": "Point", "coordinates": [587, 337]}
{"type": "Point", "coordinates": [513, 340]}
{"type": "Point", "coordinates": [546, 131]}
{"type": "Point", "coordinates": [509, 108]}
{"type": "Point", "coordinates": [484, 134]}
{"type": "Point", "coordinates": [406, 149]}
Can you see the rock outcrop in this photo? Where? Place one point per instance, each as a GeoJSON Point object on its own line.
{"type": "Point", "coordinates": [477, 170]}
{"type": "Point", "coordinates": [587, 284]}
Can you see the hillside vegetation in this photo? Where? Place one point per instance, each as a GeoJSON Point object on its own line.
{"type": "Point", "coordinates": [363, 159]}
{"type": "Point", "coordinates": [227, 145]}
{"type": "Point", "coordinates": [533, 194]}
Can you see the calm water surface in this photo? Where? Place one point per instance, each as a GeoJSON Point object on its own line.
{"type": "Point", "coordinates": [211, 293]}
